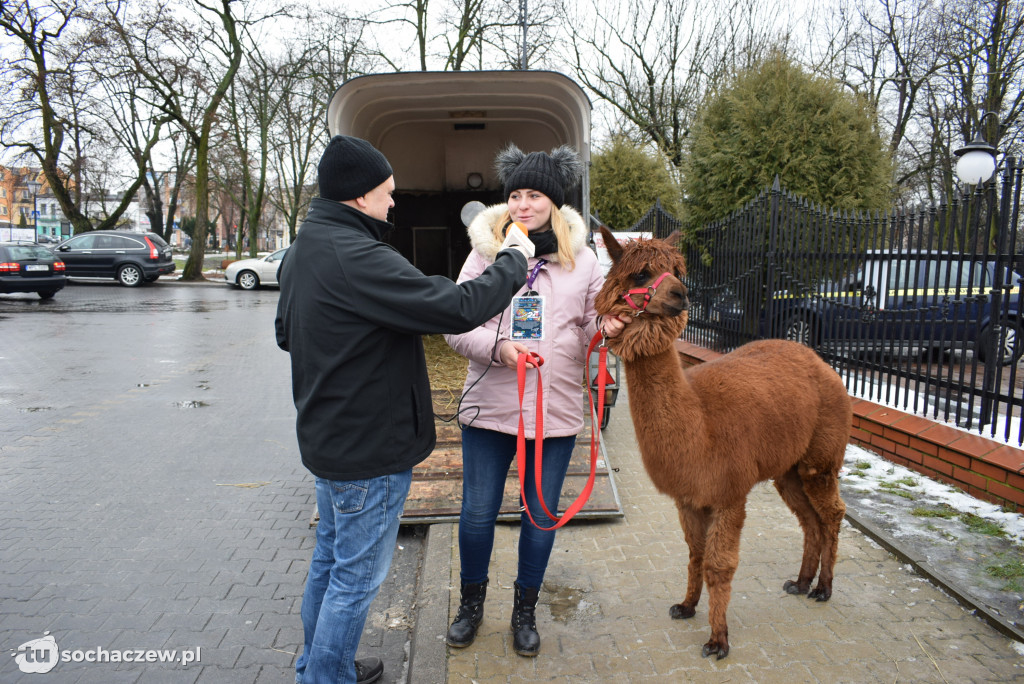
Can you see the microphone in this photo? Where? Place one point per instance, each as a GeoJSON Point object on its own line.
{"type": "Point", "coordinates": [515, 238]}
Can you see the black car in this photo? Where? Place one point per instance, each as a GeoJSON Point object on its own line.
{"type": "Point", "coordinates": [917, 299]}
{"type": "Point", "coordinates": [130, 258]}
{"type": "Point", "coordinates": [28, 267]}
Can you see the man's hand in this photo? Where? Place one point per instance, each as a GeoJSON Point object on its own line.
{"type": "Point", "coordinates": [516, 238]}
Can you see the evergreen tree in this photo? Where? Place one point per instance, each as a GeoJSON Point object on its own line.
{"type": "Point", "coordinates": [625, 181]}
{"type": "Point", "coordinates": [822, 141]}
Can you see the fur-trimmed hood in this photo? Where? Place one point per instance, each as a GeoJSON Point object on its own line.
{"type": "Point", "coordinates": [481, 231]}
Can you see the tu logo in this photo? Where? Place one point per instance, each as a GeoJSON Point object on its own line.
{"type": "Point", "coordinates": [37, 656]}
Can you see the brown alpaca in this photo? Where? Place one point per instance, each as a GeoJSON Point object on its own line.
{"type": "Point", "coordinates": [772, 409]}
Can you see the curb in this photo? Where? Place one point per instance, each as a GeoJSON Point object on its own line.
{"type": "Point", "coordinates": [936, 577]}
{"type": "Point", "coordinates": [428, 655]}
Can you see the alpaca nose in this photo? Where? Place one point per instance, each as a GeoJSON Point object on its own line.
{"type": "Point", "coordinates": [678, 301]}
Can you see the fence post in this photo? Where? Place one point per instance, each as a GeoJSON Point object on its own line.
{"type": "Point", "coordinates": [773, 227]}
{"type": "Point", "coordinates": [994, 341]}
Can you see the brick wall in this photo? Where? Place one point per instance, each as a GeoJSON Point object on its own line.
{"type": "Point", "coordinates": [984, 468]}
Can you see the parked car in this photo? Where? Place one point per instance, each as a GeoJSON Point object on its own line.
{"type": "Point", "coordinates": [901, 302]}
{"type": "Point", "coordinates": [129, 258]}
{"type": "Point", "coordinates": [249, 274]}
{"type": "Point", "coordinates": [28, 267]}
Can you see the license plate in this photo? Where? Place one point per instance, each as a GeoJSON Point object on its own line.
{"type": "Point", "coordinates": [37, 267]}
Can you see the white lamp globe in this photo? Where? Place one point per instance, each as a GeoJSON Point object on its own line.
{"type": "Point", "coordinates": [975, 166]}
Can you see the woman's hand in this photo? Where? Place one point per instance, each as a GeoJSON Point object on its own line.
{"type": "Point", "coordinates": [509, 354]}
{"type": "Point", "coordinates": [612, 326]}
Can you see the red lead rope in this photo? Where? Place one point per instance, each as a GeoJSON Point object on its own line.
{"type": "Point", "coordinates": [595, 434]}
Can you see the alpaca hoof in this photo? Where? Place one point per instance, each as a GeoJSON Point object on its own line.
{"type": "Point", "coordinates": [721, 649]}
{"type": "Point", "coordinates": [681, 611]}
{"type": "Point", "coordinates": [794, 588]}
{"type": "Point", "coordinates": [820, 594]}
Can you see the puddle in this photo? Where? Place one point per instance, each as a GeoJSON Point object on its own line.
{"type": "Point", "coordinates": [190, 404]}
{"type": "Point", "coordinates": [568, 604]}
{"type": "Point", "coordinates": [36, 409]}
{"type": "Point", "coordinates": [143, 384]}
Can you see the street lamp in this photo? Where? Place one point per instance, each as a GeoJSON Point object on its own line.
{"type": "Point", "coordinates": [34, 186]}
{"type": "Point", "coordinates": [976, 161]}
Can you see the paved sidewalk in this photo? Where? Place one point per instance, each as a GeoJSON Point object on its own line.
{"type": "Point", "coordinates": [603, 613]}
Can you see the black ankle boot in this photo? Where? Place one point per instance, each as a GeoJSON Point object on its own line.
{"type": "Point", "coordinates": [525, 640]}
{"type": "Point", "coordinates": [471, 612]}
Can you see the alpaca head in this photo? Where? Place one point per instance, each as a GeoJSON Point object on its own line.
{"type": "Point", "coordinates": [638, 266]}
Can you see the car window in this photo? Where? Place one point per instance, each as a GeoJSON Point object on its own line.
{"type": "Point", "coordinates": [81, 242]}
{"type": "Point", "coordinates": [278, 255]}
{"type": "Point", "coordinates": [118, 242]}
{"type": "Point", "coordinates": [955, 274]}
{"type": "Point", "coordinates": [28, 252]}
{"type": "Point", "coordinates": [157, 240]}
{"type": "Point", "coordinates": [869, 274]}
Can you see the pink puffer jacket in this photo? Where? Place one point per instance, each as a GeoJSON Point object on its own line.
{"type": "Point", "coordinates": [570, 323]}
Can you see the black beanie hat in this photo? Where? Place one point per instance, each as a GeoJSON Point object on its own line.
{"type": "Point", "coordinates": [351, 167]}
{"type": "Point", "coordinates": [553, 174]}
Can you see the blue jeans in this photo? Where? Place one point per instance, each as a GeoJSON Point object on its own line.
{"type": "Point", "coordinates": [355, 540]}
{"type": "Point", "coordinates": [486, 458]}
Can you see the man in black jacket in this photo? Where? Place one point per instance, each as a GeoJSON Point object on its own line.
{"type": "Point", "coordinates": [350, 314]}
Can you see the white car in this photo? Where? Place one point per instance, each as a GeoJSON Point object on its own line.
{"type": "Point", "coordinates": [249, 274]}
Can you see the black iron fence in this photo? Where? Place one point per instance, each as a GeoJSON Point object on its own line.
{"type": "Point", "coordinates": [917, 310]}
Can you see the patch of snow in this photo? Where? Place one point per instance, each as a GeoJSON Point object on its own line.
{"type": "Point", "coordinates": [925, 490]}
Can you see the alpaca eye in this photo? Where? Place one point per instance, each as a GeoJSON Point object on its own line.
{"type": "Point", "coordinates": [640, 278]}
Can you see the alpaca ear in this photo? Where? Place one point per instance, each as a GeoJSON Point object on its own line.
{"type": "Point", "coordinates": [674, 238]}
{"type": "Point", "coordinates": [611, 244]}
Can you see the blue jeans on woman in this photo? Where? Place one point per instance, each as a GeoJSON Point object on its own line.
{"type": "Point", "coordinates": [486, 458]}
{"type": "Point", "coordinates": [355, 540]}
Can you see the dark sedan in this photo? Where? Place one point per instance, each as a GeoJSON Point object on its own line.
{"type": "Point", "coordinates": [28, 267]}
{"type": "Point", "coordinates": [899, 302]}
{"type": "Point", "coordinates": [130, 258]}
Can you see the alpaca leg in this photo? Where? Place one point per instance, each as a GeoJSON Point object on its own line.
{"type": "Point", "coordinates": [694, 523]}
{"type": "Point", "coordinates": [791, 489]}
{"type": "Point", "coordinates": [823, 492]}
{"type": "Point", "coordinates": [722, 555]}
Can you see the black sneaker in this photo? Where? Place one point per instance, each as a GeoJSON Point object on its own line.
{"type": "Point", "coordinates": [368, 670]}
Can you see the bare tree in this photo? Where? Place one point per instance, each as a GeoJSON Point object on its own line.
{"type": "Point", "coordinates": [332, 51]}
{"type": "Point", "coordinates": [168, 181]}
{"type": "Point", "coordinates": [654, 60]}
{"type": "Point", "coordinates": [189, 55]}
{"type": "Point", "coordinates": [535, 45]}
{"type": "Point", "coordinates": [57, 115]}
{"type": "Point", "coordinates": [459, 34]}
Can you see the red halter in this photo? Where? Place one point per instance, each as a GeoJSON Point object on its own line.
{"type": "Point", "coordinates": [648, 292]}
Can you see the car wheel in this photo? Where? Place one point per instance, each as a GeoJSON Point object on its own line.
{"type": "Point", "coordinates": [129, 275]}
{"type": "Point", "coordinates": [801, 328]}
{"type": "Point", "coordinates": [247, 280]}
{"type": "Point", "coordinates": [1010, 346]}
{"type": "Point", "coordinates": [47, 295]}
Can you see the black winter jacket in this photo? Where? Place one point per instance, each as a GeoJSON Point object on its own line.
{"type": "Point", "coordinates": [351, 313]}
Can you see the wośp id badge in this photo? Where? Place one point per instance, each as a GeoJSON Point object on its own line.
{"type": "Point", "coordinates": [528, 317]}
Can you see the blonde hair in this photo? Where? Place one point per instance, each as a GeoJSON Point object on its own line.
{"type": "Point", "coordinates": [558, 224]}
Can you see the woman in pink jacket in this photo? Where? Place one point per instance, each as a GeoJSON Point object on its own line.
{"type": "Point", "coordinates": [552, 316]}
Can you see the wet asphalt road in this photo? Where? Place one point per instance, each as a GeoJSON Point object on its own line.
{"type": "Point", "coordinates": [151, 493]}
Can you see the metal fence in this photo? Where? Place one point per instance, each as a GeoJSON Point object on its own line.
{"type": "Point", "coordinates": [918, 310]}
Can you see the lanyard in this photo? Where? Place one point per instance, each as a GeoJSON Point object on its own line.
{"type": "Point", "coordinates": [533, 272]}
